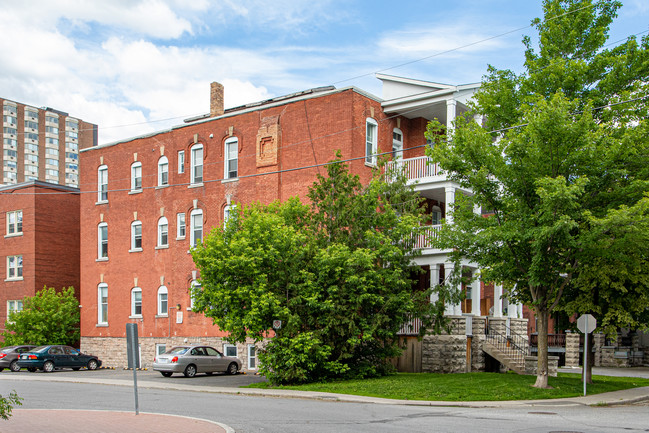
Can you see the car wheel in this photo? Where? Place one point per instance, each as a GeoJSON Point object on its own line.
{"type": "Point", "coordinates": [14, 365]}
{"type": "Point", "coordinates": [48, 367]}
{"type": "Point", "coordinates": [190, 370]}
{"type": "Point", "coordinates": [166, 373]}
{"type": "Point", "coordinates": [92, 364]}
{"type": "Point", "coordinates": [232, 368]}
{"type": "Point", "coordinates": [31, 369]}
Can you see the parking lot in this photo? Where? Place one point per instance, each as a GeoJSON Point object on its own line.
{"type": "Point", "coordinates": [121, 375]}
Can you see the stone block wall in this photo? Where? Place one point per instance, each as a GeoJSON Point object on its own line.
{"type": "Point", "coordinates": [531, 365]}
{"type": "Point", "coordinates": [114, 355]}
{"type": "Point", "coordinates": [572, 349]}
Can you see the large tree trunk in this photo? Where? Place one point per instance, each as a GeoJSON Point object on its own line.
{"type": "Point", "coordinates": [542, 315]}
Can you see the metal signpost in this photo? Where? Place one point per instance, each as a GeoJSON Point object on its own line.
{"type": "Point", "coordinates": [132, 350]}
{"type": "Point", "coordinates": [586, 324]}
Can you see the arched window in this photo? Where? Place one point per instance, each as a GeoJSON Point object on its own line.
{"type": "Point", "coordinates": [231, 161]}
{"type": "Point", "coordinates": [196, 227]}
{"type": "Point", "coordinates": [196, 161]}
{"type": "Point", "coordinates": [102, 241]}
{"type": "Point", "coordinates": [163, 232]}
{"type": "Point", "coordinates": [371, 140]}
{"type": "Point", "coordinates": [163, 171]}
{"type": "Point", "coordinates": [397, 143]}
{"type": "Point", "coordinates": [136, 176]}
{"type": "Point", "coordinates": [102, 304]}
{"type": "Point", "coordinates": [136, 236]}
{"type": "Point", "coordinates": [195, 287]}
{"type": "Point", "coordinates": [228, 212]}
{"type": "Point", "coordinates": [163, 301]}
{"type": "Point", "coordinates": [136, 302]}
{"type": "Point", "coordinates": [102, 183]}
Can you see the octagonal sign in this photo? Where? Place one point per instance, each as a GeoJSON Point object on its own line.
{"type": "Point", "coordinates": [586, 323]}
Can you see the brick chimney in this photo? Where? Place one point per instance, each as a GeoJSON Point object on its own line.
{"type": "Point", "coordinates": [216, 99]}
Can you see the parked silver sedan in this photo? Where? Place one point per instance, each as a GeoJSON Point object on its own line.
{"type": "Point", "coordinates": [193, 359]}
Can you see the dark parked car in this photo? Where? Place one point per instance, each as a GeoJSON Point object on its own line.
{"type": "Point", "coordinates": [190, 360]}
{"type": "Point", "coordinates": [9, 356]}
{"type": "Point", "coordinates": [50, 357]}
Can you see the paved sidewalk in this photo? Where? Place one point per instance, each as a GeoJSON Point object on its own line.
{"type": "Point", "coordinates": [65, 421]}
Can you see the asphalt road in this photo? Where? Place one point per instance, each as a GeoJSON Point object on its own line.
{"type": "Point", "coordinates": [292, 415]}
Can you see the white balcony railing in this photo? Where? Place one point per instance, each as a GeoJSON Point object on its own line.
{"type": "Point", "coordinates": [425, 239]}
{"type": "Point", "coordinates": [416, 168]}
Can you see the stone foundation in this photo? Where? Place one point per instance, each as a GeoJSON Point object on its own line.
{"type": "Point", "coordinates": [112, 350]}
{"type": "Point", "coordinates": [572, 349]}
{"type": "Point", "coordinates": [532, 365]}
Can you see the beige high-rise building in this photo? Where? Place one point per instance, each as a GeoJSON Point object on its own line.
{"type": "Point", "coordinates": [42, 144]}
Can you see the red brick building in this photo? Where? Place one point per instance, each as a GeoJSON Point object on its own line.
{"type": "Point", "coordinates": [40, 244]}
{"type": "Point", "coordinates": [147, 200]}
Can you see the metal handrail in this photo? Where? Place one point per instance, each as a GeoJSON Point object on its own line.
{"type": "Point", "coordinates": [513, 345]}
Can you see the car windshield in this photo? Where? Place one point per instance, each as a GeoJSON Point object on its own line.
{"type": "Point", "coordinates": [178, 350]}
{"type": "Point", "coordinates": [41, 349]}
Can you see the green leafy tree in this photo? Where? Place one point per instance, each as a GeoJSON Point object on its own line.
{"type": "Point", "coordinates": [49, 317]}
{"type": "Point", "coordinates": [552, 168]}
{"type": "Point", "coordinates": [7, 404]}
{"type": "Point", "coordinates": [337, 273]}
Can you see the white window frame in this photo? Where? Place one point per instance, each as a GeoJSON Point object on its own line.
{"type": "Point", "coordinates": [231, 158]}
{"type": "Point", "coordinates": [252, 357]}
{"type": "Point", "coordinates": [192, 226]}
{"type": "Point", "coordinates": [163, 232]}
{"type": "Point", "coordinates": [102, 304]}
{"type": "Point", "coordinates": [195, 164]}
{"type": "Point", "coordinates": [160, 348]}
{"type": "Point", "coordinates": [163, 171]}
{"type": "Point", "coordinates": [101, 241]}
{"type": "Point", "coordinates": [227, 213]}
{"type": "Point", "coordinates": [194, 285]}
{"type": "Point", "coordinates": [163, 301]}
{"type": "Point", "coordinates": [14, 306]}
{"type": "Point", "coordinates": [181, 161]}
{"type": "Point", "coordinates": [134, 226]}
{"type": "Point", "coordinates": [136, 174]}
{"type": "Point", "coordinates": [15, 268]}
{"type": "Point", "coordinates": [135, 303]}
{"type": "Point", "coordinates": [227, 346]}
{"type": "Point", "coordinates": [397, 144]}
{"type": "Point", "coordinates": [15, 223]}
{"type": "Point", "coordinates": [181, 226]}
{"type": "Point", "coordinates": [102, 184]}
{"type": "Point", "coordinates": [371, 142]}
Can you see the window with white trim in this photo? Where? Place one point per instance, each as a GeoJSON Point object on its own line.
{"type": "Point", "coordinates": [180, 225]}
{"type": "Point", "coordinates": [136, 176]}
{"type": "Point", "coordinates": [136, 302]}
{"type": "Point", "coordinates": [163, 232]}
{"type": "Point", "coordinates": [181, 161]}
{"type": "Point", "coordinates": [15, 267]}
{"type": "Point", "coordinates": [252, 357]}
{"type": "Point", "coordinates": [102, 304]}
{"type": "Point", "coordinates": [102, 183]}
{"type": "Point", "coordinates": [231, 161]}
{"type": "Point", "coordinates": [14, 306]}
{"type": "Point", "coordinates": [371, 140]}
{"type": "Point", "coordinates": [163, 171]}
{"type": "Point", "coordinates": [14, 223]}
{"type": "Point", "coordinates": [397, 143]}
{"type": "Point", "coordinates": [195, 287]}
{"type": "Point", "coordinates": [163, 301]}
{"type": "Point", "coordinates": [196, 227]}
{"type": "Point", "coordinates": [228, 212]}
{"type": "Point", "coordinates": [229, 350]}
{"type": "Point", "coordinates": [160, 348]}
{"type": "Point", "coordinates": [136, 236]}
{"type": "Point", "coordinates": [196, 163]}
{"type": "Point", "coordinates": [102, 241]}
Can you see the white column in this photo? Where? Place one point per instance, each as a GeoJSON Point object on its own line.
{"type": "Point", "coordinates": [475, 296]}
{"type": "Point", "coordinates": [511, 310]}
{"type": "Point", "coordinates": [498, 302]}
{"type": "Point", "coordinates": [434, 281]}
{"type": "Point", "coordinates": [450, 308]}
{"type": "Point", "coordinates": [450, 200]}
{"type": "Point", "coordinates": [451, 107]}
{"type": "Point", "coordinates": [519, 311]}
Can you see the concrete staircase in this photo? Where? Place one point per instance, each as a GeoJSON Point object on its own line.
{"type": "Point", "coordinates": [509, 356]}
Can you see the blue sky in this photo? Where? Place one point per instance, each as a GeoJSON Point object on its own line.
{"type": "Point", "coordinates": [137, 66]}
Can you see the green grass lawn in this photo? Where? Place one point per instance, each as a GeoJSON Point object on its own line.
{"type": "Point", "coordinates": [468, 386]}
